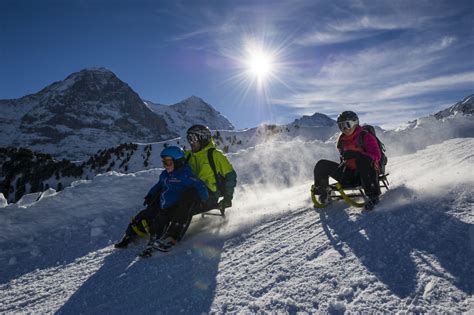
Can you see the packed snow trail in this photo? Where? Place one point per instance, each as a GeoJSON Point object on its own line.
{"type": "Point", "coordinates": [273, 252]}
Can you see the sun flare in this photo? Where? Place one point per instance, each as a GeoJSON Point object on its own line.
{"type": "Point", "coordinates": [259, 65]}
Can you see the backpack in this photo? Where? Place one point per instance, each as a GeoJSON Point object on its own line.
{"type": "Point", "coordinates": [220, 182]}
{"type": "Point", "coordinates": [383, 158]}
{"type": "Point", "coordinates": [219, 178]}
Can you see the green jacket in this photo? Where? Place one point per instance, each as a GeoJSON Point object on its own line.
{"type": "Point", "coordinates": [201, 168]}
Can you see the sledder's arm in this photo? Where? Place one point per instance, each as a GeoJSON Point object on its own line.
{"type": "Point", "coordinates": [154, 191]}
{"type": "Point", "coordinates": [229, 175]}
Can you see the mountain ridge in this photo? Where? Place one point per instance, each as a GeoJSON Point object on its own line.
{"type": "Point", "coordinates": [90, 110]}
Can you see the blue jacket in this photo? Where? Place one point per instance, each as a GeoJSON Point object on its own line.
{"type": "Point", "coordinates": [172, 185]}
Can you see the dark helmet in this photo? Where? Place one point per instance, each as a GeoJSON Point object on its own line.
{"type": "Point", "coordinates": [347, 115]}
{"type": "Point", "coordinates": [176, 153]}
{"type": "Point", "coordinates": [347, 120]}
{"type": "Point", "coordinates": [199, 133]}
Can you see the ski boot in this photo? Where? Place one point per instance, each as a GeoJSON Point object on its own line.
{"type": "Point", "coordinates": [165, 244]}
{"type": "Point", "coordinates": [123, 243]}
{"type": "Point", "coordinates": [150, 247]}
{"type": "Point", "coordinates": [371, 202]}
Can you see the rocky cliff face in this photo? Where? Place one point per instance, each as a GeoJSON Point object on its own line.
{"type": "Point", "coordinates": [315, 120]}
{"type": "Point", "coordinates": [464, 107]}
{"type": "Point", "coordinates": [73, 118]}
{"type": "Point", "coordinates": [188, 112]}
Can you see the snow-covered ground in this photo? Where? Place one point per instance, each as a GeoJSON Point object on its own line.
{"type": "Point", "coordinates": [272, 253]}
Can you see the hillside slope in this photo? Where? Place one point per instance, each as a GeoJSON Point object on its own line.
{"type": "Point", "coordinates": [274, 252]}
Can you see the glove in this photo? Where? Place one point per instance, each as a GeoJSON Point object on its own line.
{"type": "Point", "coordinates": [225, 203]}
{"type": "Point", "coordinates": [347, 155]}
{"type": "Point", "coordinates": [147, 201]}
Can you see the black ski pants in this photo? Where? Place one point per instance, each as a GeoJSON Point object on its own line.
{"type": "Point", "coordinates": [158, 219]}
{"type": "Point", "coordinates": [173, 220]}
{"type": "Point", "coordinates": [365, 175]}
{"type": "Point", "coordinates": [190, 204]}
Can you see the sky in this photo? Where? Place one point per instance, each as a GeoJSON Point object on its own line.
{"type": "Point", "coordinates": [254, 61]}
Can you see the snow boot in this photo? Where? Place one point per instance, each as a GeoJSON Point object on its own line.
{"type": "Point", "coordinates": [165, 244]}
{"type": "Point", "coordinates": [371, 202]}
{"type": "Point", "coordinates": [324, 195]}
{"type": "Point", "coordinates": [150, 247]}
{"type": "Point", "coordinates": [126, 239]}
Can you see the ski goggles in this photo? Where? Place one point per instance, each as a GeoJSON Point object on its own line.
{"type": "Point", "coordinates": [167, 161]}
{"type": "Point", "coordinates": [348, 124]}
{"type": "Point", "coordinates": [192, 138]}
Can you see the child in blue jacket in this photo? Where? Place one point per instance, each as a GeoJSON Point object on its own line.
{"type": "Point", "coordinates": [164, 203]}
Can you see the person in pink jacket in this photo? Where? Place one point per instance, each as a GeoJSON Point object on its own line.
{"type": "Point", "coordinates": [360, 155]}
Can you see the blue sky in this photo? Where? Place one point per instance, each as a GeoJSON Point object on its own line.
{"type": "Point", "coordinates": [390, 61]}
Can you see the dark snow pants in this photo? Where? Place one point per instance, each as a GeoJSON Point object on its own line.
{"type": "Point", "coordinates": [190, 204]}
{"type": "Point", "coordinates": [365, 175]}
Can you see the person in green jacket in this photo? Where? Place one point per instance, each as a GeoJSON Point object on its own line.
{"type": "Point", "coordinates": [212, 167]}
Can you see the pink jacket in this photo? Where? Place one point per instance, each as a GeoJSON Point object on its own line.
{"type": "Point", "coordinates": [351, 143]}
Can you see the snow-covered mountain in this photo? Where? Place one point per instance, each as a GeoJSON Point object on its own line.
{"type": "Point", "coordinates": [192, 110]}
{"type": "Point", "coordinates": [464, 107]}
{"type": "Point", "coordinates": [316, 127]}
{"type": "Point", "coordinates": [317, 119]}
{"type": "Point", "coordinates": [36, 172]}
{"type": "Point", "coordinates": [89, 110]}
{"type": "Point", "coordinates": [456, 121]}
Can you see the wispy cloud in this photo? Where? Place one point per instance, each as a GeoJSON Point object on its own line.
{"type": "Point", "coordinates": [398, 54]}
{"type": "Point", "coordinates": [447, 82]}
{"type": "Point", "coordinates": [351, 29]}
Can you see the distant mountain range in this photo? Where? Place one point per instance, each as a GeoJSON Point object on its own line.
{"type": "Point", "coordinates": [93, 109]}
{"type": "Point", "coordinates": [94, 117]}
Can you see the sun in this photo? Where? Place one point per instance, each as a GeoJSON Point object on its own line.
{"type": "Point", "coordinates": [259, 64]}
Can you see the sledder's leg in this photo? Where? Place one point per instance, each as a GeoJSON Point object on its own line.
{"type": "Point", "coordinates": [322, 170]}
{"type": "Point", "coordinates": [160, 222]}
{"type": "Point", "coordinates": [369, 179]}
{"type": "Point", "coordinates": [139, 225]}
{"type": "Point", "coordinates": [368, 175]}
{"type": "Point", "coordinates": [183, 214]}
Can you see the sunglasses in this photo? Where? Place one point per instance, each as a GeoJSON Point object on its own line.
{"type": "Point", "coordinates": [167, 161]}
{"type": "Point", "coordinates": [348, 124]}
{"type": "Point", "coordinates": [192, 138]}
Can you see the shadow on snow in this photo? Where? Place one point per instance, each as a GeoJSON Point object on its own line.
{"type": "Point", "coordinates": [182, 281]}
{"type": "Point", "coordinates": [392, 238]}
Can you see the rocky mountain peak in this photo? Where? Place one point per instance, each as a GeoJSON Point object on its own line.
{"type": "Point", "coordinates": [315, 120]}
{"type": "Point", "coordinates": [466, 107]}
{"type": "Point", "coordinates": [93, 105]}
{"type": "Point", "coordinates": [192, 110]}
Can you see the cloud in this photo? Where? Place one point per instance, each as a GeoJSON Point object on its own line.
{"type": "Point", "coordinates": [447, 82]}
{"type": "Point", "coordinates": [396, 79]}
{"type": "Point", "coordinates": [400, 55]}
{"type": "Point", "coordinates": [352, 29]}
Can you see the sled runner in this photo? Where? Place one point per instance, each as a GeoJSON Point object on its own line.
{"type": "Point", "coordinates": [355, 195]}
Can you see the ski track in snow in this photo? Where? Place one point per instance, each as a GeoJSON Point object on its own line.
{"type": "Point", "coordinates": [273, 252]}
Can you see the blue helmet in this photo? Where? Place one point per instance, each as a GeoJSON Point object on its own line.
{"type": "Point", "coordinates": [175, 152]}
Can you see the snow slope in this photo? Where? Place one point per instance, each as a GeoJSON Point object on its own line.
{"type": "Point", "coordinates": [273, 252]}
